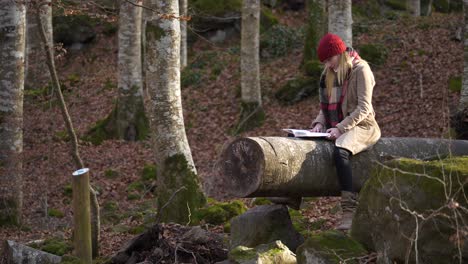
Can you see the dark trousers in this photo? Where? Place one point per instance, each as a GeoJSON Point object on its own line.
{"type": "Point", "coordinates": [343, 168]}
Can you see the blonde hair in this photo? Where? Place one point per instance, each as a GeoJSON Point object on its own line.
{"type": "Point", "coordinates": [344, 64]}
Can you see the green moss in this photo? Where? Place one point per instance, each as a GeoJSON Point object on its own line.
{"type": "Point", "coordinates": [111, 174]}
{"type": "Point", "coordinates": [99, 132]}
{"type": "Point", "coordinates": [252, 115]}
{"type": "Point", "coordinates": [227, 227]}
{"type": "Point", "coordinates": [149, 172]}
{"type": "Point", "coordinates": [219, 213]}
{"type": "Point", "coordinates": [240, 253]}
{"type": "Point", "coordinates": [313, 68]}
{"type": "Point", "coordinates": [62, 135]}
{"type": "Point", "coordinates": [297, 89]}
{"type": "Point", "coordinates": [333, 246]}
{"type": "Point", "coordinates": [177, 173]}
{"type": "Point", "coordinates": [299, 222]}
{"type": "Point", "coordinates": [133, 196]}
{"type": "Point", "coordinates": [73, 79]}
{"type": "Point", "coordinates": [136, 186]}
{"type": "Point", "coordinates": [68, 190]}
{"type": "Point", "coordinates": [267, 19]}
{"type": "Point", "coordinates": [373, 53]}
{"type": "Point", "coordinates": [216, 7]}
{"type": "Point", "coordinates": [55, 213]}
{"type": "Point", "coordinates": [455, 83]}
{"type": "Point", "coordinates": [396, 4]}
{"type": "Point", "coordinates": [56, 246]}
{"type": "Point", "coordinates": [70, 260]}
{"type": "Point", "coordinates": [261, 201]}
{"type": "Point", "coordinates": [137, 230]}
{"type": "Point", "coordinates": [10, 212]}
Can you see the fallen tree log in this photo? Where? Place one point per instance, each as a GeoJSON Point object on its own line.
{"type": "Point", "coordinates": [286, 166]}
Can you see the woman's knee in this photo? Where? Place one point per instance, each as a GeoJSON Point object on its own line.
{"type": "Point", "coordinates": [341, 153]}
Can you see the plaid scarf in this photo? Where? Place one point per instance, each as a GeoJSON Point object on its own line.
{"type": "Point", "coordinates": [331, 106]}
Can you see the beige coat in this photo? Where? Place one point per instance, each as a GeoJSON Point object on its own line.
{"type": "Point", "coordinates": [359, 129]}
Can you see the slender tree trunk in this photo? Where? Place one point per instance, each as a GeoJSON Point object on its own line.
{"type": "Point", "coordinates": [130, 120]}
{"type": "Point", "coordinates": [415, 7]}
{"type": "Point", "coordinates": [340, 20]}
{"type": "Point", "coordinates": [12, 58]}
{"type": "Point", "coordinates": [36, 74]}
{"type": "Point", "coordinates": [173, 156]}
{"type": "Point", "coordinates": [146, 14]}
{"type": "Point", "coordinates": [183, 5]}
{"type": "Point", "coordinates": [95, 214]}
{"type": "Point", "coordinates": [251, 108]}
{"type": "Point", "coordinates": [464, 91]}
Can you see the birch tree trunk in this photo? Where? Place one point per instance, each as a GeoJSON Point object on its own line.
{"type": "Point", "coordinates": [415, 7]}
{"type": "Point", "coordinates": [464, 91]}
{"type": "Point", "coordinates": [36, 75]}
{"type": "Point", "coordinates": [183, 4]}
{"type": "Point", "coordinates": [459, 120]}
{"type": "Point", "coordinates": [12, 58]}
{"type": "Point", "coordinates": [340, 20]}
{"type": "Point", "coordinates": [131, 122]}
{"type": "Point", "coordinates": [173, 156]}
{"type": "Point", "coordinates": [252, 114]}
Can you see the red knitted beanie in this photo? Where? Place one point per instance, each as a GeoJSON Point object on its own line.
{"type": "Point", "coordinates": [329, 46]}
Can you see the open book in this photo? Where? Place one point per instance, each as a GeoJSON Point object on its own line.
{"type": "Point", "coordinates": [305, 133]}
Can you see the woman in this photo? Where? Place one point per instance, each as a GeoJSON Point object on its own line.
{"type": "Point", "coordinates": [346, 113]}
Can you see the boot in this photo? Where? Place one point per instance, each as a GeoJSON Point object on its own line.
{"type": "Point", "coordinates": [349, 202]}
{"type": "Point", "coordinates": [293, 202]}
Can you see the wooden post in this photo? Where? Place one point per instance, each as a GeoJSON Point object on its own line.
{"type": "Point", "coordinates": [81, 216]}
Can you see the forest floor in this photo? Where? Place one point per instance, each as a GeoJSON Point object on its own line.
{"type": "Point", "coordinates": [411, 99]}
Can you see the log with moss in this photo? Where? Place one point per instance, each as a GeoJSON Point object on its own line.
{"type": "Point", "coordinates": [285, 166]}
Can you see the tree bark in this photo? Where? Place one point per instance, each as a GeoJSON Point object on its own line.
{"type": "Point", "coordinates": [12, 58]}
{"type": "Point", "coordinates": [250, 60]}
{"type": "Point", "coordinates": [36, 76]}
{"type": "Point", "coordinates": [171, 148]}
{"type": "Point", "coordinates": [340, 20]}
{"type": "Point", "coordinates": [283, 166]}
{"type": "Point", "coordinates": [183, 5]}
{"type": "Point", "coordinates": [415, 7]}
{"type": "Point", "coordinates": [464, 90]}
{"type": "Point", "coordinates": [316, 28]}
{"type": "Point", "coordinates": [130, 119]}
{"type": "Point", "coordinates": [252, 114]}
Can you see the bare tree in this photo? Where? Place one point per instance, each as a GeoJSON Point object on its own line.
{"type": "Point", "coordinates": [340, 20]}
{"type": "Point", "coordinates": [171, 148]}
{"type": "Point", "coordinates": [252, 113]}
{"type": "Point", "coordinates": [415, 7]}
{"type": "Point", "coordinates": [35, 74]}
{"type": "Point", "coordinates": [12, 57]}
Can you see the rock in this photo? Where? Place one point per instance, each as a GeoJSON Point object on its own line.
{"type": "Point", "coordinates": [264, 224]}
{"type": "Point", "coordinates": [275, 253]}
{"type": "Point", "coordinates": [15, 253]}
{"type": "Point", "coordinates": [403, 192]}
{"type": "Point", "coordinates": [197, 235]}
{"type": "Point", "coordinates": [73, 30]}
{"type": "Point", "coordinates": [296, 90]}
{"type": "Point", "coordinates": [142, 242]}
{"type": "Point", "coordinates": [329, 247]}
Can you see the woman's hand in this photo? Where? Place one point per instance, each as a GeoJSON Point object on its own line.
{"type": "Point", "coordinates": [334, 133]}
{"type": "Point", "coordinates": [317, 128]}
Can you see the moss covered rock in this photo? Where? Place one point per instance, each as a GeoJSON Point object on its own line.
{"type": "Point", "coordinates": [275, 253]}
{"type": "Point", "coordinates": [70, 29]}
{"type": "Point", "coordinates": [375, 54]}
{"type": "Point", "coordinates": [298, 89]}
{"type": "Point", "coordinates": [404, 199]}
{"type": "Point", "coordinates": [219, 212]}
{"type": "Point", "coordinates": [330, 247]}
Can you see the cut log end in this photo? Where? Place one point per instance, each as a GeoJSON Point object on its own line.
{"type": "Point", "coordinates": [238, 171]}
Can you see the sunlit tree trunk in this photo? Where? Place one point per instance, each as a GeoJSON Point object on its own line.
{"type": "Point", "coordinates": [172, 152]}
{"type": "Point", "coordinates": [12, 58]}
{"type": "Point", "coordinates": [340, 20]}
{"type": "Point", "coordinates": [252, 114]}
